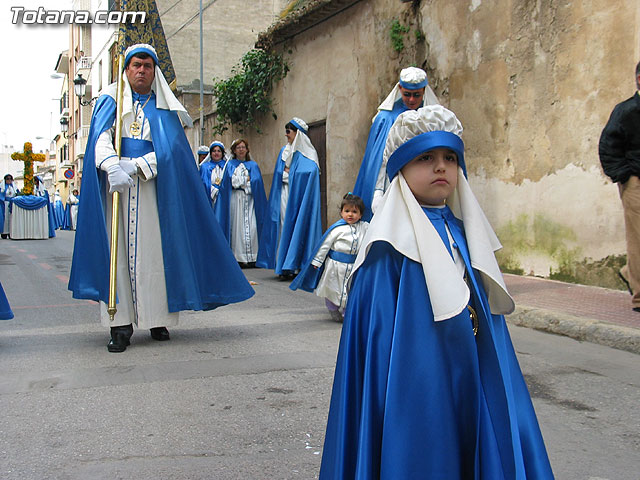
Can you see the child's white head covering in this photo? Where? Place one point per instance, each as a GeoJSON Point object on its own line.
{"type": "Point", "coordinates": [301, 143]}
{"type": "Point", "coordinates": [165, 99]}
{"type": "Point", "coordinates": [203, 150]}
{"type": "Point", "coordinates": [411, 78]}
{"type": "Point", "coordinates": [400, 221]}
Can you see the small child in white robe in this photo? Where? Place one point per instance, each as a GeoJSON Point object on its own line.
{"type": "Point", "coordinates": [333, 260]}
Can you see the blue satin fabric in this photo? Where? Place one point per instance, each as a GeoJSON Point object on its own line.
{"type": "Point", "coordinates": [309, 277]}
{"type": "Point", "coordinates": [372, 159]}
{"type": "Point", "coordinates": [5, 308]}
{"type": "Point", "coordinates": [134, 147]}
{"type": "Point", "coordinates": [58, 214]}
{"type": "Point", "coordinates": [341, 256]}
{"type": "Point", "coordinates": [66, 225]}
{"type": "Point", "coordinates": [188, 228]}
{"type": "Point", "coordinates": [52, 220]}
{"type": "Point", "coordinates": [221, 207]}
{"type": "Point", "coordinates": [30, 202]}
{"type": "Point", "coordinates": [286, 251]}
{"type": "Point", "coordinates": [418, 399]}
{"type": "Point", "coordinates": [257, 192]}
{"type": "Point", "coordinates": [35, 202]}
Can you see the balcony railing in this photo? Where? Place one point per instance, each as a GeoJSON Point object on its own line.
{"type": "Point", "coordinates": [84, 64]}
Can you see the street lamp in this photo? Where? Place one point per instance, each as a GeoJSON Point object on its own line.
{"type": "Point", "coordinates": [64, 126]}
{"type": "Point", "coordinates": [80, 88]}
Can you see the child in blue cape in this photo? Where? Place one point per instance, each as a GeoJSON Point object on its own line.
{"type": "Point", "coordinates": [427, 384]}
{"type": "Point", "coordinates": [329, 269]}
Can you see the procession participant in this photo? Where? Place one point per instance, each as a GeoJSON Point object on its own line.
{"type": "Point", "coordinates": [212, 174]}
{"type": "Point", "coordinates": [167, 228]}
{"type": "Point", "coordinates": [410, 93]}
{"type": "Point", "coordinates": [71, 212]}
{"type": "Point", "coordinates": [38, 188]}
{"type": "Point", "coordinates": [7, 191]}
{"type": "Point", "coordinates": [40, 191]}
{"type": "Point", "coordinates": [248, 203]}
{"type": "Point", "coordinates": [202, 153]}
{"type": "Point", "coordinates": [293, 225]}
{"type": "Point", "coordinates": [328, 271]}
{"type": "Point", "coordinates": [427, 384]}
{"type": "Point", "coordinates": [58, 210]}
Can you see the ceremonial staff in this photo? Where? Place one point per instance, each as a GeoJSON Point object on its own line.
{"type": "Point", "coordinates": [115, 199]}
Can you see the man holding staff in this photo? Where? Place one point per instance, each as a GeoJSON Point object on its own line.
{"type": "Point", "coordinates": [166, 226]}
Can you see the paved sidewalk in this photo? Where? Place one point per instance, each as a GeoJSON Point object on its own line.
{"type": "Point", "coordinates": [592, 314]}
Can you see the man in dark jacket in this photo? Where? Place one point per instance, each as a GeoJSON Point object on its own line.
{"type": "Point", "coordinates": [619, 151]}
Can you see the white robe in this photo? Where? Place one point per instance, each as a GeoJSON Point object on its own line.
{"type": "Point", "coordinates": [10, 193]}
{"type": "Point", "coordinates": [333, 283]}
{"type": "Point", "coordinates": [244, 229]}
{"type": "Point", "coordinates": [73, 201]}
{"type": "Point", "coordinates": [141, 287]}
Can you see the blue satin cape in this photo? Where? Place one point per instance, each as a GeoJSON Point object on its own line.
{"type": "Point", "coordinates": [188, 228]}
{"type": "Point", "coordinates": [66, 225]}
{"type": "Point", "coordinates": [309, 277]}
{"type": "Point", "coordinates": [58, 214]}
{"type": "Point", "coordinates": [5, 308]}
{"type": "Point", "coordinates": [221, 207]}
{"type": "Point", "coordinates": [287, 250]}
{"type": "Point", "coordinates": [419, 399]}
{"type": "Point", "coordinates": [260, 204]}
{"type": "Point", "coordinates": [372, 159]}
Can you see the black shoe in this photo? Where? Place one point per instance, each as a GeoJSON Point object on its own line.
{"type": "Point", "coordinates": [5, 235]}
{"type": "Point", "coordinates": [160, 334]}
{"type": "Point", "coordinates": [120, 338]}
{"type": "Point", "coordinates": [636, 309]}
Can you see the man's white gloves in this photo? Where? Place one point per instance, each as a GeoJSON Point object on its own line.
{"type": "Point", "coordinates": [119, 181]}
{"type": "Point", "coordinates": [130, 167]}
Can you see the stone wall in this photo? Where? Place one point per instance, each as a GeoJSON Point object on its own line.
{"type": "Point", "coordinates": [533, 83]}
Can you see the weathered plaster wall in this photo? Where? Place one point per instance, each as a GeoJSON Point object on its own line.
{"type": "Point", "coordinates": [533, 83]}
{"type": "Point", "coordinates": [337, 74]}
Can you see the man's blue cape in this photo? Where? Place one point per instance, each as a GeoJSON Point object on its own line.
{"type": "Point", "coordinates": [188, 228]}
{"type": "Point", "coordinates": [287, 250]}
{"type": "Point", "coordinates": [372, 159]}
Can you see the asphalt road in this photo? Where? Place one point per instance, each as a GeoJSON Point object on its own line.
{"type": "Point", "coordinates": [241, 392]}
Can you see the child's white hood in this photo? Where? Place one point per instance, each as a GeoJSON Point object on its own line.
{"type": "Point", "coordinates": [401, 222]}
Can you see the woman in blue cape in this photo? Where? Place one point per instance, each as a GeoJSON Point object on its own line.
{"type": "Point", "coordinates": [212, 171]}
{"type": "Point", "coordinates": [292, 226]}
{"type": "Point", "coordinates": [427, 384]}
{"type": "Point", "coordinates": [247, 203]}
